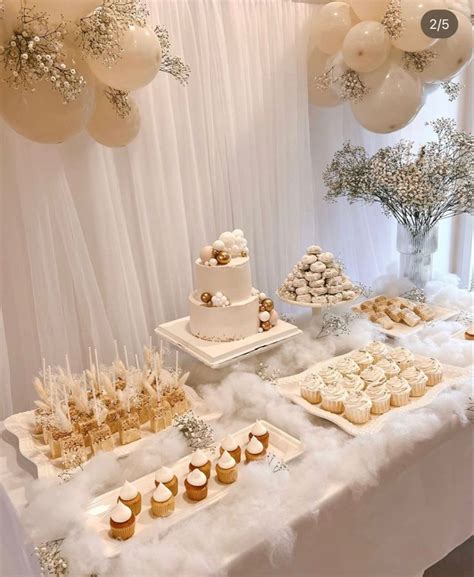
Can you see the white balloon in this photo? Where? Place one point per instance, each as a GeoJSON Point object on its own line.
{"type": "Point", "coordinates": [138, 64]}
{"type": "Point", "coordinates": [393, 103]}
{"type": "Point", "coordinates": [412, 38]}
{"type": "Point", "coordinates": [333, 22]}
{"type": "Point", "coordinates": [317, 65]}
{"type": "Point", "coordinates": [366, 46]}
{"type": "Point", "coordinates": [70, 10]}
{"type": "Point", "coordinates": [452, 54]}
{"type": "Point", "coordinates": [370, 9]}
{"type": "Point", "coordinates": [336, 64]}
{"type": "Point", "coordinates": [110, 129]}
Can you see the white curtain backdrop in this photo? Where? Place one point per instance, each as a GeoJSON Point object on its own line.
{"type": "Point", "coordinates": [98, 244]}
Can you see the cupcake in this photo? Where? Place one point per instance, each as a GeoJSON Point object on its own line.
{"type": "Point", "coordinates": [255, 451]}
{"type": "Point", "coordinates": [357, 407]}
{"type": "Point", "coordinates": [260, 431]}
{"type": "Point", "coordinates": [196, 485]}
{"type": "Point", "coordinates": [226, 469]}
{"type": "Point", "coordinates": [162, 501]}
{"type": "Point", "coordinates": [417, 381]}
{"type": "Point", "coordinates": [331, 376]}
{"type": "Point", "coordinates": [389, 367]}
{"type": "Point", "coordinates": [399, 391]}
{"type": "Point", "coordinates": [432, 369]}
{"type": "Point", "coordinates": [377, 350]}
{"type": "Point", "coordinates": [333, 398]}
{"type": "Point", "coordinates": [362, 358]}
{"type": "Point", "coordinates": [122, 522]}
{"type": "Point", "coordinates": [380, 397]}
{"type": "Point", "coordinates": [167, 478]}
{"type": "Point", "coordinates": [230, 445]}
{"type": "Point", "coordinates": [131, 497]}
{"type": "Point", "coordinates": [347, 366]}
{"type": "Point", "coordinates": [402, 356]}
{"type": "Point", "coordinates": [199, 460]}
{"type": "Point", "coordinates": [310, 389]}
{"type": "Point", "coordinates": [353, 383]}
{"type": "Point", "coordinates": [373, 375]}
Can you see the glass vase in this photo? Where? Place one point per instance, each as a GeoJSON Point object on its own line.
{"type": "Point", "coordinates": [416, 254]}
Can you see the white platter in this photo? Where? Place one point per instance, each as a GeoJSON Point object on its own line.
{"type": "Point", "coordinates": [401, 330]}
{"type": "Point", "coordinates": [283, 446]}
{"type": "Point", "coordinates": [315, 306]}
{"type": "Point", "coordinates": [217, 355]}
{"type": "Point", "coordinates": [21, 425]}
{"type": "Point", "coordinates": [289, 387]}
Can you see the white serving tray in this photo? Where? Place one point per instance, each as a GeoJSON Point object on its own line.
{"type": "Point", "coordinates": [21, 425]}
{"type": "Point", "coordinates": [217, 355]}
{"type": "Point", "coordinates": [315, 305]}
{"type": "Point", "coordinates": [401, 330]}
{"type": "Point", "coordinates": [289, 387]}
{"type": "Point", "coordinates": [283, 446]}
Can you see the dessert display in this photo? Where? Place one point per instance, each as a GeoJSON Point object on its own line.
{"type": "Point", "coordinates": [224, 306]}
{"type": "Point", "coordinates": [79, 415]}
{"type": "Point", "coordinates": [162, 501]}
{"type": "Point", "coordinates": [389, 312]}
{"type": "Point", "coordinates": [131, 497]}
{"type": "Point", "coordinates": [199, 460]}
{"type": "Point", "coordinates": [226, 469]}
{"type": "Point", "coordinates": [230, 445]}
{"type": "Point", "coordinates": [255, 451]}
{"type": "Point", "coordinates": [318, 279]}
{"type": "Point", "coordinates": [122, 522]}
{"type": "Point", "coordinates": [259, 431]}
{"type": "Point", "coordinates": [370, 381]}
{"type": "Point", "coordinates": [166, 477]}
{"type": "Point", "coordinates": [196, 485]}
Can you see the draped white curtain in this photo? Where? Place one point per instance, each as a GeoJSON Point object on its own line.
{"type": "Point", "coordinates": [98, 244]}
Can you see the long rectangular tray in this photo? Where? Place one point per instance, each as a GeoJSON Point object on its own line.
{"type": "Point", "coordinates": [289, 387]}
{"type": "Point", "coordinates": [282, 447]}
{"type": "Point", "coordinates": [21, 425]}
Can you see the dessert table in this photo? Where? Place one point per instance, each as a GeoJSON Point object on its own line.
{"type": "Point", "coordinates": [389, 504]}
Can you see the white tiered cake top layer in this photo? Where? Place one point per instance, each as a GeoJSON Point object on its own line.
{"type": "Point", "coordinates": [233, 279]}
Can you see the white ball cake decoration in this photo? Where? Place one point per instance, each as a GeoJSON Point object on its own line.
{"type": "Point", "coordinates": [318, 278]}
{"type": "Point", "coordinates": [228, 246]}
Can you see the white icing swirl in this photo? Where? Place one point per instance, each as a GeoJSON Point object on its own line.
{"type": "Point", "coordinates": [401, 355]}
{"type": "Point", "coordinates": [361, 357]}
{"type": "Point", "coordinates": [334, 392]}
{"type": "Point", "coordinates": [398, 385]}
{"type": "Point", "coordinates": [312, 382]}
{"type": "Point", "coordinates": [199, 458]}
{"type": "Point", "coordinates": [330, 376]}
{"type": "Point", "coordinates": [377, 392]}
{"type": "Point", "coordinates": [414, 376]}
{"type": "Point", "coordinates": [389, 367]}
{"type": "Point", "coordinates": [161, 494]}
{"type": "Point", "coordinates": [229, 443]}
{"type": "Point", "coordinates": [226, 461]}
{"type": "Point", "coordinates": [164, 475]}
{"type": "Point", "coordinates": [428, 365]}
{"type": "Point", "coordinates": [196, 478]}
{"type": "Point", "coordinates": [357, 400]}
{"type": "Point", "coordinates": [377, 349]}
{"type": "Point", "coordinates": [373, 374]}
{"type": "Point", "coordinates": [254, 447]}
{"type": "Point", "coordinates": [347, 366]}
{"type": "Point", "coordinates": [353, 383]}
{"type": "Point", "coordinates": [120, 513]}
{"type": "Point", "coordinates": [258, 429]}
{"type": "Point", "coordinates": [128, 491]}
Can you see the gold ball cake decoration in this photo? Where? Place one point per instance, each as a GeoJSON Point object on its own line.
{"type": "Point", "coordinates": [223, 257]}
{"type": "Point", "coordinates": [206, 297]}
{"type": "Point", "coordinates": [268, 305]}
{"type": "Point", "coordinates": [267, 316]}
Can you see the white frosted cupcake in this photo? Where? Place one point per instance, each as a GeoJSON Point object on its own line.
{"type": "Point", "coordinates": [417, 381]}
{"type": "Point", "coordinates": [432, 369]}
{"type": "Point", "coordinates": [377, 349]}
{"type": "Point", "coordinates": [389, 367]}
{"type": "Point", "coordinates": [353, 383]}
{"type": "Point", "coordinates": [362, 358]}
{"type": "Point", "coordinates": [333, 397]}
{"type": "Point", "coordinates": [357, 407]}
{"type": "Point", "coordinates": [347, 366]}
{"type": "Point", "coordinates": [330, 376]}
{"type": "Point", "coordinates": [311, 388]}
{"type": "Point", "coordinates": [403, 357]}
{"type": "Point", "coordinates": [399, 390]}
{"type": "Point", "coordinates": [373, 375]}
{"type": "Point", "coordinates": [380, 397]}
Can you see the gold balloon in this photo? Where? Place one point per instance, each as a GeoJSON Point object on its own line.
{"type": "Point", "coordinates": [223, 257]}
{"type": "Point", "coordinates": [266, 326]}
{"type": "Point", "coordinates": [206, 297]}
{"type": "Point", "coordinates": [267, 305]}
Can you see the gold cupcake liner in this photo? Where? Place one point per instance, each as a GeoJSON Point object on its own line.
{"type": "Point", "coordinates": [313, 397]}
{"type": "Point", "coordinates": [196, 493]}
{"type": "Point", "coordinates": [227, 476]}
{"type": "Point", "coordinates": [171, 485]}
{"type": "Point", "coordinates": [206, 468]}
{"type": "Point", "coordinates": [379, 407]}
{"type": "Point", "coordinates": [163, 509]}
{"type": "Point", "coordinates": [400, 399]}
{"type": "Point", "coordinates": [236, 454]}
{"type": "Point", "coordinates": [251, 457]}
{"type": "Point", "coordinates": [358, 416]}
{"type": "Point", "coordinates": [264, 439]}
{"type": "Point", "coordinates": [434, 378]}
{"type": "Point", "coordinates": [135, 505]}
{"type": "Point", "coordinates": [123, 533]}
{"type": "Point", "coordinates": [332, 406]}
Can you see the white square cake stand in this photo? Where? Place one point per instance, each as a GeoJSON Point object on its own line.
{"type": "Point", "coordinates": [217, 355]}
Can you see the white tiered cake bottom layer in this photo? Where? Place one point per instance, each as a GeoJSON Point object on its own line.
{"type": "Point", "coordinates": [223, 324]}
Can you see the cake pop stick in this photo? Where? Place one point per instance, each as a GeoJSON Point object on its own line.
{"type": "Point", "coordinates": [44, 375]}
{"type": "Point", "coordinates": [126, 357]}
{"type": "Point", "coordinates": [136, 361]}
{"type": "Point", "coordinates": [117, 356]}
{"type": "Point", "coordinates": [97, 369]}
{"type": "Point", "coordinates": [66, 398]}
{"type": "Point", "coordinates": [91, 364]}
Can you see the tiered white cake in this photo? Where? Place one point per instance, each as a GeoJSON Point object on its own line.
{"type": "Point", "coordinates": [224, 306]}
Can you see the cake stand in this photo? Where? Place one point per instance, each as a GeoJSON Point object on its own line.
{"type": "Point", "coordinates": [317, 309]}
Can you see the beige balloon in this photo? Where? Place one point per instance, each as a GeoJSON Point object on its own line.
{"type": "Point", "coordinates": [333, 22]}
{"type": "Point", "coordinates": [41, 115]}
{"type": "Point", "coordinates": [452, 54]}
{"type": "Point", "coordinates": [366, 46]}
{"type": "Point", "coordinates": [70, 10]}
{"type": "Point", "coordinates": [9, 19]}
{"type": "Point", "coordinates": [412, 38]}
{"type": "Point", "coordinates": [138, 64]}
{"type": "Point", "coordinates": [318, 65]}
{"type": "Point", "coordinates": [370, 9]}
{"type": "Point", "coordinates": [393, 103]}
{"type": "Point", "coordinates": [110, 129]}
